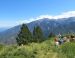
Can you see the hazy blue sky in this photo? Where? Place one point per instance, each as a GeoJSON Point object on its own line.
{"type": "Point", "coordinates": [13, 11]}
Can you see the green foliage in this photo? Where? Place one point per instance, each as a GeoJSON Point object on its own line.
{"type": "Point", "coordinates": [24, 36]}
{"type": "Point", "coordinates": [1, 47]}
{"type": "Point", "coordinates": [33, 50]}
{"type": "Point", "coordinates": [38, 34]}
{"type": "Point", "coordinates": [45, 49]}
{"type": "Point", "coordinates": [51, 35]}
{"type": "Point", "coordinates": [68, 49]}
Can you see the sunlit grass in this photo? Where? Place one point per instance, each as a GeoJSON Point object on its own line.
{"type": "Point", "coordinates": [46, 49]}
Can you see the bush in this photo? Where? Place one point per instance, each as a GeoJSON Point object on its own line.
{"type": "Point", "coordinates": [68, 49]}
{"type": "Point", "coordinates": [1, 47]}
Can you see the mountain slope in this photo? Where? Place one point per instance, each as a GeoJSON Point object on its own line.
{"type": "Point", "coordinates": [62, 26]}
{"type": "Point", "coordinates": [8, 36]}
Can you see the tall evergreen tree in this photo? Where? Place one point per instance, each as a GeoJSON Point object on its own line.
{"type": "Point", "coordinates": [24, 36]}
{"type": "Point", "coordinates": [51, 35]}
{"type": "Point", "coordinates": [38, 34]}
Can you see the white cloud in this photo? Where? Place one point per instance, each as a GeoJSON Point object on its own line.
{"type": "Point", "coordinates": [65, 15]}
{"type": "Point", "coordinates": [62, 15]}
{"type": "Point", "coordinates": [21, 21]}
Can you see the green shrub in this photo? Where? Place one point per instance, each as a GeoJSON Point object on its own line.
{"type": "Point", "coordinates": [68, 49]}
{"type": "Point", "coordinates": [46, 49]}
{"type": "Point", "coordinates": [1, 47]}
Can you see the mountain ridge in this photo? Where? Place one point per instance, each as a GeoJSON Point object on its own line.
{"type": "Point", "coordinates": [47, 25]}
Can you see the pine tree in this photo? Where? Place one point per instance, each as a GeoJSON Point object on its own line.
{"type": "Point", "coordinates": [24, 36]}
{"type": "Point", "coordinates": [51, 35]}
{"type": "Point", "coordinates": [38, 34]}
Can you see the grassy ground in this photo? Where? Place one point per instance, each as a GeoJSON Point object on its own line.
{"type": "Point", "coordinates": [46, 49]}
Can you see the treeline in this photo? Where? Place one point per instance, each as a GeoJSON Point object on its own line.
{"type": "Point", "coordinates": [25, 36]}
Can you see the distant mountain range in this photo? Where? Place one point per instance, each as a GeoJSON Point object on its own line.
{"type": "Point", "coordinates": [55, 26]}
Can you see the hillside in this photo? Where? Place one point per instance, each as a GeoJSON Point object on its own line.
{"type": "Point", "coordinates": [46, 49]}
{"type": "Point", "coordinates": [63, 26]}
